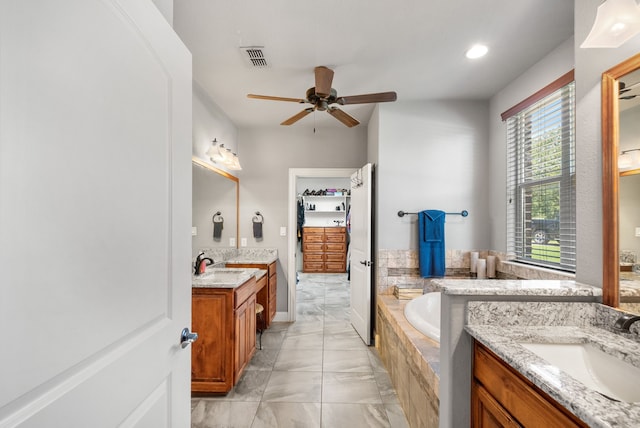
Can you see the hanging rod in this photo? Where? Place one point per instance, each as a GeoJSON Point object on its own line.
{"type": "Point", "coordinates": [463, 213]}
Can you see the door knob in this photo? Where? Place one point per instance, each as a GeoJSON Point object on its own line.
{"type": "Point", "coordinates": [186, 337]}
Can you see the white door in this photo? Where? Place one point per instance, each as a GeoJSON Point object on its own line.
{"type": "Point", "coordinates": [360, 247]}
{"type": "Point", "coordinates": [95, 215]}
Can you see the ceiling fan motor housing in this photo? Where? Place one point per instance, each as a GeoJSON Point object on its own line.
{"type": "Point", "coordinates": [321, 103]}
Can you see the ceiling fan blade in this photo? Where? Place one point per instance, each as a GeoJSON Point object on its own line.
{"type": "Point", "coordinates": [343, 117]}
{"type": "Point", "coordinates": [293, 119]}
{"type": "Point", "coordinates": [381, 97]}
{"type": "Point", "coordinates": [268, 97]}
{"type": "Point", "coordinates": [324, 78]}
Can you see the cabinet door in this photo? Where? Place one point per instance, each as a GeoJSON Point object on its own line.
{"type": "Point", "coordinates": [240, 357]}
{"type": "Point", "coordinates": [487, 412]}
{"type": "Point", "coordinates": [212, 353]}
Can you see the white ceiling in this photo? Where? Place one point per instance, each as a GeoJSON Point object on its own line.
{"type": "Point", "coordinates": [413, 47]}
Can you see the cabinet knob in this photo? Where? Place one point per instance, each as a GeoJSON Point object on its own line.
{"type": "Point", "coordinates": [186, 337]}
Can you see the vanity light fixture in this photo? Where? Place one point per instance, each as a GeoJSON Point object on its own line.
{"type": "Point", "coordinates": [218, 153]}
{"type": "Point", "coordinates": [477, 51]}
{"type": "Point", "coordinates": [629, 159]}
{"type": "Point", "coordinates": [616, 22]}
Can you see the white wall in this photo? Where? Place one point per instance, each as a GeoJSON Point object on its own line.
{"type": "Point", "coordinates": [432, 155]}
{"type": "Point", "coordinates": [266, 155]}
{"type": "Point", "coordinates": [209, 122]}
{"type": "Point", "coordinates": [590, 64]}
{"type": "Point", "coordinates": [548, 69]}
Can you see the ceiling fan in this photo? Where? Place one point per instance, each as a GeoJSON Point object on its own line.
{"type": "Point", "coordinates": [323, 95]}
{"type": "Point", "coordinates": [624, 88]}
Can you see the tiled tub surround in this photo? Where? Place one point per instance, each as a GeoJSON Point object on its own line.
{"type": "Point", "coordinates": [456, 345]}
{"type": "Point", "coordinates": [412, 360]}
{"type": "Point", "coordinates": [400, 268]}
{"type": "Point", "coordinates": [501, 325]}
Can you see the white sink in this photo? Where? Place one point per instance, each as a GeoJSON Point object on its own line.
{"type": "Point", "coordinates": [592, 367]}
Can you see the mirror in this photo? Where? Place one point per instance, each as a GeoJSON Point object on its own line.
{"type": "Point", "coordinates": [620, 132]}
{"type": "Point", "coordinates": [214, 191]}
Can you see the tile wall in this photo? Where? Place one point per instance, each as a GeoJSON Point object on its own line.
{"type": "Point", "coordinates": [400, 268]}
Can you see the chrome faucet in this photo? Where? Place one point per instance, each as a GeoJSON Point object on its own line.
{"type": "Point", "coordinates": [624, 322]}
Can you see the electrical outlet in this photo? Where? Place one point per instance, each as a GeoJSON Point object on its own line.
{"type": "Point", "coordinates": [232, 242]}
{"type": "Point", "coordinates": [194, 231]}
{"type": "Point", "coordinates": [243, 242]}
{"type": "Point", "coordinates": [638, 232]}
{"type": "Point", "coordinates": [283, 231]}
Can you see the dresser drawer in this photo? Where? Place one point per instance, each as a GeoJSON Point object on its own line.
{"type": "Point", "coordinates": [312, 247]}
{"type": "Point", "coordinates": [335, 248]}
{"type": "Point", "coordinates": [334, 237]}
{"type": "Point", "coordinates": [312, 237]}
{"type": "Point", "coordinates": [335, 257]}
{"type": "Point", "coordinates": [337, 267]}
{"type": "Point", "coordinates": [313, 266]}
{"type": "Point", "coordinates": [313, 257]}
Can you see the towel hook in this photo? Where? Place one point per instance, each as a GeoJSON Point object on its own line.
{"type": "Point", "coordinates": [258, 218]}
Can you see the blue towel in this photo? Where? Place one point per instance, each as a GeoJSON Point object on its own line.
{"type": "Point", "coordinates": [431, 243]}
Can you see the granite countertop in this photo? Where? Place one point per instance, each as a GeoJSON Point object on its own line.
{"type": "Point", "coordinates": [515, 287]}
{"type": "Point", "coordinates": [242, 255]}
{"type": "Point", "coordinates": [501, 326]}
{"type": "Point", "coordinates": [225, 277]}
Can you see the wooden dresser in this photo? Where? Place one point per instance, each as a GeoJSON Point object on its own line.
{"type": "Point", "coordinates": [324, 249]}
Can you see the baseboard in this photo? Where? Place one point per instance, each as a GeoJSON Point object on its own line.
{"type": "Point", "coordinates": [281, 317]}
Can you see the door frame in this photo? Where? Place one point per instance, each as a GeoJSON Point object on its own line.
{"type": "Point", "coordinates": [294, 174]}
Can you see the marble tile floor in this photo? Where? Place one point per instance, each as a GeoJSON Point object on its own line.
{"type": "Point", "coordinates": [315, 372]}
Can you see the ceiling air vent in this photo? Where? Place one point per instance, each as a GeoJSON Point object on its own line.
{"type": "Point", "coordinates": [255, 56]}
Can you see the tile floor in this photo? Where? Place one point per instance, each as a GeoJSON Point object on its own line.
{"type": "Point", "coordinates": [315, 372]}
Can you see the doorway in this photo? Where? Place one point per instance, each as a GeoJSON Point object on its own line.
{"type": "Point", "coordinates": [295, 175]}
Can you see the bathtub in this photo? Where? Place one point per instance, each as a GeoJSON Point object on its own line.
{"type": "Point", "coordinates": [424, 314]}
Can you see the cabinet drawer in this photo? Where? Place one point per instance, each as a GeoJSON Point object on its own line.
{"type": "Point", "coordinates": [312, 237]}
{"type": "Point", "coordinates": [337, 267]}
{"type": "Point", "coordinates": [243, 292]}
{"type": "Point", "coordinates": [312, 230]}
{"type": "Point", "coordinates": [313, 267]}
{"type": "Point", "coordinates": [335, 230]}
{"type": "Point", "coordinates": [312, 246]}
{"type": "Point", "coordinates": [335, 257]}
{"type": "Point", "coordinates": [335, 248]}
{"type": "Point", "coordinates": [313, 257]}
{"type": "Point", "coordinates": [272, 269]}
{"type": "Point", "coordinates": [334, 237]}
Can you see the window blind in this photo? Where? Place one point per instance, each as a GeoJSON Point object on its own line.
{"type": "Point", "coordinates": [541, 203]}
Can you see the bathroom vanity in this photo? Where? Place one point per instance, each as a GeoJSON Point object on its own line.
{"type": "Point", "coordinates": [561, 364]}
{"type": "Point", "coordinates": [224, 316]}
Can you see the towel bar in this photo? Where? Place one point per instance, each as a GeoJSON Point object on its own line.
{"type": "Point", "coordinates": [463, 213]}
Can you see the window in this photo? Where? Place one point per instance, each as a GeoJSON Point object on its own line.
{"type": "Point", "coordinates": [541, 203]}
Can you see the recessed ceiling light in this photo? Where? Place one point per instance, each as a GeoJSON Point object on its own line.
{"type": "Point", "coordinates": [477, 51]}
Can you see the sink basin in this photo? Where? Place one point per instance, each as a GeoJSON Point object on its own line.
{"type": "Point", "coordinates": [592, 367]}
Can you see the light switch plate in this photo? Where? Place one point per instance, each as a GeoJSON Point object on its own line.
{"type": "Point", "coordinates": [283, 231]}
{"type": "Point", "coordinates": [194, 231]}
{"type": "Point", "coordinates": [243, 242]}
{"type": "Point", "coordinates": [638, 232]}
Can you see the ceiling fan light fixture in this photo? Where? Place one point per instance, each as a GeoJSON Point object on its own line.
{"type": "Point", "coordinates": [477, 51]}
{"type": "Point", "coordinates": [616, 22]}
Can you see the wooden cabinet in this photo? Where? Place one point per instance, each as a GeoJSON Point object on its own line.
{"type": "Point", "coordinates": [324, 249]}
{"type": "Point", "coordinates": [502, 397]}
{"type": "Point", "coordinates": [224, 319]}
{"type": "Point", "coordinates": [267, 295]}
